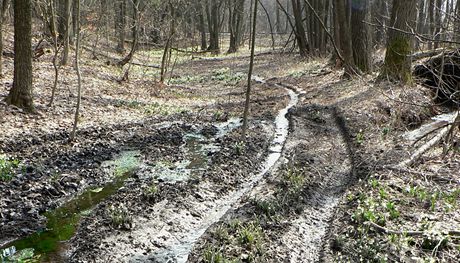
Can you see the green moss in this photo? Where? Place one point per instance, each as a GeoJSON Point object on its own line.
{"type": "Point", "coordinates": [397, 62]}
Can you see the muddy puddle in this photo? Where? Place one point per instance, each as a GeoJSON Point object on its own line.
{"type": "Point", "coordinates": [49, 243]}
{"type": "Point", "coordinates": [180, 250]}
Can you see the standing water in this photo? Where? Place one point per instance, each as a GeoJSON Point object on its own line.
{"type": "Point", "coordinates": [180, 251]}
{"type": "Point", "coordinates": [48, 244]}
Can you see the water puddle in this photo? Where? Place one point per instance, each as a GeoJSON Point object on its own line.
{"type": "Point", "coordinates": [62, 223]}
{"type": "Point", "coordinates": [197, 148]}
{"type": "Point", "coordinates": [180, 251]}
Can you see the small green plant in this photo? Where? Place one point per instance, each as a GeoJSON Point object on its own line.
{"type": "Point", "coordinates": [294, 180]}
{"type": "Point", "coordinates": [240, 147]}
{"type": "Point", "coordinates": [386, 131]}
{"type": "Point", "coordinates": [250, 234]}
{"type": "Point", "coordinates": [267, 207]}
{"type": "Point", "coordinates": [360, 137]}
{"type": "Point", "coordinates": [151, 192]}
{"type": "Point", "coordinates": [119, 217]}
{"type": "Point", "coordinates": [374, 183]}
{"type": "Point", "coordinates": [213, 255]}
{"type": "Point", "coordinates": [391, 208]}
{"type": "Point", "coordinates": [186, 79]}
{"type": "Point", "coordinates": [7, 167]}
{"type": "Point", "coordinates": [221, 233]}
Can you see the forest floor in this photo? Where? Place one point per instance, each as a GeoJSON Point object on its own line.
{"type": "Point", "coordinates": [160, 172]}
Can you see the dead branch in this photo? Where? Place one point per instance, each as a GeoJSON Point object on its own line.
{"type": "Point", "coordinates": [427, 53]}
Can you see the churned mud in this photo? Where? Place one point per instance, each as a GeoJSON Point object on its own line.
{"type": "Point", "coordinates": [175, 181]}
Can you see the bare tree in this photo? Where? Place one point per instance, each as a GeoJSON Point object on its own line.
{"type": "Point", "coordinates": [251, 67]}
{"type": "Point", "coordinates": [77, 69]}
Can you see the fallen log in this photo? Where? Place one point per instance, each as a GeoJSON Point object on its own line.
{"type": "Point", "coordinates": [444, 132]}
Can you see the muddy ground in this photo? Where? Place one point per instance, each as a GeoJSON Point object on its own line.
{"type": "Point", "coordinates": [312, 205]}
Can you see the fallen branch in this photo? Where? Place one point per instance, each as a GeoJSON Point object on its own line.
{"type": "Point", "coordinates": [115, 60]}
{"type": "Point", "coordinates": [407, 233]}
{"type": "Point", "coordinates": [434, 141]}
{"type": "Point", "coordinates": [427, 53]}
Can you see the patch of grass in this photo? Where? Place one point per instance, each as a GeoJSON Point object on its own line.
{"type": "Point", "coordinates": [267, 207]}
{"type": "Point", "coordinates": [186, 79]}
{"type": "Point", "coordinates": [163, 109]}
{"type": "Point", "coordinates": [7, 167]}
{"type": "Point", "coordinates": [221, 233]}
{"type": "Point", "coordinates": [227, 77]}
{"type": "Point", "coordinates": [119, 217]}
{"type": "Point", "coordinates": [250, 234]}
{"type": "Point", "coordinates": [22, 256]}
{"type": "Point", "coordinates": [214, 254]}
{"type": "Point", "coordinates": [294, 180]}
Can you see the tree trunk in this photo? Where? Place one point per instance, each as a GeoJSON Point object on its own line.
{"type": "Point", "coordinates": [438, 26]}
{"type": "Point", "coordinates": [202, 24]}
{"type": "Point", "coordinates": [236, 14]}
{"type": "Point", "coordinates": [4, 7]}
{"type": "Point", "coordinates": [66, 39]}
{"type": "Point", "coordinates": [77, 68]}
{"type": "Point", "coordinates": [300, 34]}
{"type": "Point", "coordinates": [361, 37]}
{"type": "Point", "coordinates": [397, 64]}
{"type": "Point", "coordinates": [135, 34]}
{"type": "Point", "coordinates": [214, 26]}
{"type": "Point", "coordinates": [431, 19]}
{"type": "Point", "coordinates": [54, 35]}
{"type": "Point", "coordinates": [21, 93]}
{"type": "Point", "coordinates": [421, 20]}
{"type": "Point", "coordinates": [251, 67]}
{"type": "Point", "coordinates": [120, 24]}
{"type": "Point", "coordinates": [345, 38]}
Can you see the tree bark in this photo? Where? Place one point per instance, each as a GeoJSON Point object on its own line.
{"type": "Point", "coordinates": [299, 29]}
{"type": "Point", "coordinates": [345, 37]}
{"type": "Point", "coordinates": [235, 24]}
{"type": "Point", "coordinates": [66, 39]}
{"type": "Point", "coordinates": [397, 64]}
{"type": "Point", "coordinates": [21, 93]}
{"type": "Point", "coordinates": [361, 37]}
{"type": "Point", "coordinates": [4, 7]}
{"type": "Point", "coordinates": [120, 24]}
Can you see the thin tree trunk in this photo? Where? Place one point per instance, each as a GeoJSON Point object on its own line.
{"type": "Point", "coordinates": [251, 67]}
{"type": "Point", "coordinates": [5, 4]}
{"type": "Point", "coordinates": [135, 33]}
{"type": "Point", "coordinates": [66, 40]}
{"type": "Point", "coordinates": [55, 50]}
{"type": "Point", "coordinates": [120, 24]}
{"type": "Point", "coordinates": [77, 68]}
